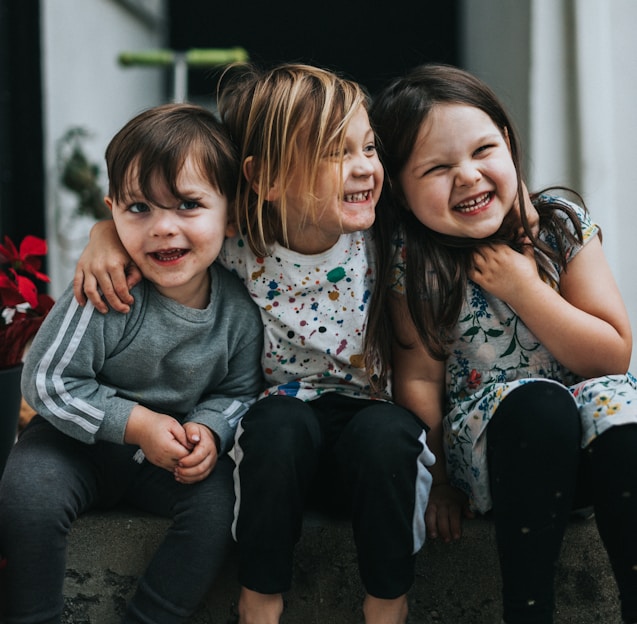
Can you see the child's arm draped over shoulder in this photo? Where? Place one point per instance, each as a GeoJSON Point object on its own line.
{"type": "Point", "coordinates": [418, 383]}
{"type": "Point", "coordinates": [585, 325]}
{"type": "Point", "coordinates": [105, 268]}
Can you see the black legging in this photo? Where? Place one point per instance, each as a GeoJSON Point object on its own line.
{"type": "Point", "coordinates": [533, 447]}
{"type": "Point", "coordinates": [613, 484]}
{"type": "Point", "coordinates": [534, 457]}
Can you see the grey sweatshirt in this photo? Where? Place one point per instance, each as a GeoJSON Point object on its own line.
{"type": "Point", "coordinates": [86, 371]}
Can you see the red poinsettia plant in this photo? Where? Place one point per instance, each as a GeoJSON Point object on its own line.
{"type": "Point", "coordinates": [22, 307]}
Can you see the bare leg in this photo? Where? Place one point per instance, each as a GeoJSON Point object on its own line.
{"type": "Point", "coordinates": [380, 611]}
{"type": "Point", "coordinates": [256, 608]}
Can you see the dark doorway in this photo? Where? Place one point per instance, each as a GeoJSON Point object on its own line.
{"type": "Point", "coordinates": [21, 142]}
{"type": "Point", "coordinates": [369, 42]}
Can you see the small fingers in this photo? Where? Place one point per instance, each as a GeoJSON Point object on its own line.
{"type": "Point", "coordinates": [133, 276]}
{"type": "Point", "coordinates": [431, 521]}
{"type": "Point", "coordinates": [91, 292]}
{"type": "Point", "coordinates": [199, 471]}
{"type": "Point", "coordinates": [115, 292]}
{"type": "Point", "coordinates": [443, 523]}
{"type": "Point", "coordinates": [78, 287]}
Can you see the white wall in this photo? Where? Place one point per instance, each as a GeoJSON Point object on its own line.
{"type": "Point", "coordinates": [84, 85]}
{"type": "Point", "coordinates": [620, 217]}
{"type": "Point", "coordinates": [495, 46]}
{"type": "Point", "coordinates": [566, 70]}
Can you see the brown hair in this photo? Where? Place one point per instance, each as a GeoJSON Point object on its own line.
{"type": "Point", "coordinates": [436, 265]}
{"type": "Point", "coordinates": [158, 141]}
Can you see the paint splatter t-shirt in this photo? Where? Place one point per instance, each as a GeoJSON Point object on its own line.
{"type": "Point", "coordinates": [314, 311]}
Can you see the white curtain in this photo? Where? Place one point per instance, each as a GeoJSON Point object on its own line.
{"type": "Point", "coordinates": [569, 76]}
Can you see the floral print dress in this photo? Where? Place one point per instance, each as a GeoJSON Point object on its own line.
{"type": "Point", "coordinates": [492, 354]}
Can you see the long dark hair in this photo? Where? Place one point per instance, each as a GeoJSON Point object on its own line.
{"type": "Point", "coordinates": [436, 265]}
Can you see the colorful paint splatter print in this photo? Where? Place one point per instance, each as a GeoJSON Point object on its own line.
{"type": "Point", "coordinates": [314, 310]}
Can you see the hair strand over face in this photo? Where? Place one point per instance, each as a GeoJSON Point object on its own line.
{"type": "Point", "coordinates": [286, 120]}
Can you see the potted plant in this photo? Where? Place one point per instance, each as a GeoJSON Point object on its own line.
{"type": "Point", "coordinates": [22, 310]}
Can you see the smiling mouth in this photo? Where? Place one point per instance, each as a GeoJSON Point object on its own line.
{"type": "Point", "coordinates": [169, 255]}
{"type": "Point", "coordinates": [473, 205]}
{"type": "Point", "coordinates": [358, 197]}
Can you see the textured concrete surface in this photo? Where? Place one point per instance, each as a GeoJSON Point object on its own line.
{"type": "Point", "coordinates": [456, 583]}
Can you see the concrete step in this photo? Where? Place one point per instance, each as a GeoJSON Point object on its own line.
{"type": "Point", "coordinates": [456, 583]}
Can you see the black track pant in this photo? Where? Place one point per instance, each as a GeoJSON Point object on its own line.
{"type": "Point", "coordinates": [366, 458]}
{"type": "Point", "coordinates": [535, 462]}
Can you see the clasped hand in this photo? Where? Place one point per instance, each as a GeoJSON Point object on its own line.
{"type": "Point", "coordinates": [189, 451]}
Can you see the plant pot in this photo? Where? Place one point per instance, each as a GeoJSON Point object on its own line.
{"type": "Point", "coordinates": [10, 400]}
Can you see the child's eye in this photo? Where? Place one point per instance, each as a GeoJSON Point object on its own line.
{"type": "Point", "coordinates": [188, 205]}
{"type": "Point", "coordinates": [370, 149]}
{"type": "Point", "coordinates": [483, 148]}
{"type": "Point", "coordinates": [138, 207]}
{"type": "Point", "coordinates": [436, 169]}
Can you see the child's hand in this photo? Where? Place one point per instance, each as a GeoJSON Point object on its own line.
{"type": "Point", "coordinates": [202, 459]}
{"type": "Point", "coordinates": [104, 268]}
{"type": "Point", "coordinates": [447, 506]}
{"type": "Point", "coordinates": [504, 272]}
{"type": "Point", "coordinates": [162, 438]}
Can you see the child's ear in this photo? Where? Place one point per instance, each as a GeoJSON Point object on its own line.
{"type": "Point", "coordinates": [505, 132]}
{"type": "Point", "coordinates": [231, 229]}
{"type": "Point", "coordinates": [109, 203]}
{"type": "Point", "coordinates": [250, 176]}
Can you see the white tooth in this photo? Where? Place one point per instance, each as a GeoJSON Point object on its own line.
{"type": "Point", "coordinates": [356, 197]}
{"type": "Point", "coordinates": [474, 202]}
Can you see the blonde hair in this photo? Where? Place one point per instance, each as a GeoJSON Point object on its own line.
{"type": "Point", "coordinates": [285, 121]}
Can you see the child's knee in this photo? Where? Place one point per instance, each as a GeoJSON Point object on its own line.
{"type": "Point", "coordinates": [279, 425]}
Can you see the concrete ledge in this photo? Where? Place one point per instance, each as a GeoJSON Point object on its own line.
{"type": "Point", "coordinates": [456, 584]}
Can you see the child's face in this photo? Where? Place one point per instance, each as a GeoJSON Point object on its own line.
{"type": "Point", "coordinates": [337, 210]}
{"type": "Point", "coordinates": [174, 246]}
{"type": "Point", "coordinates": [460, 179]}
